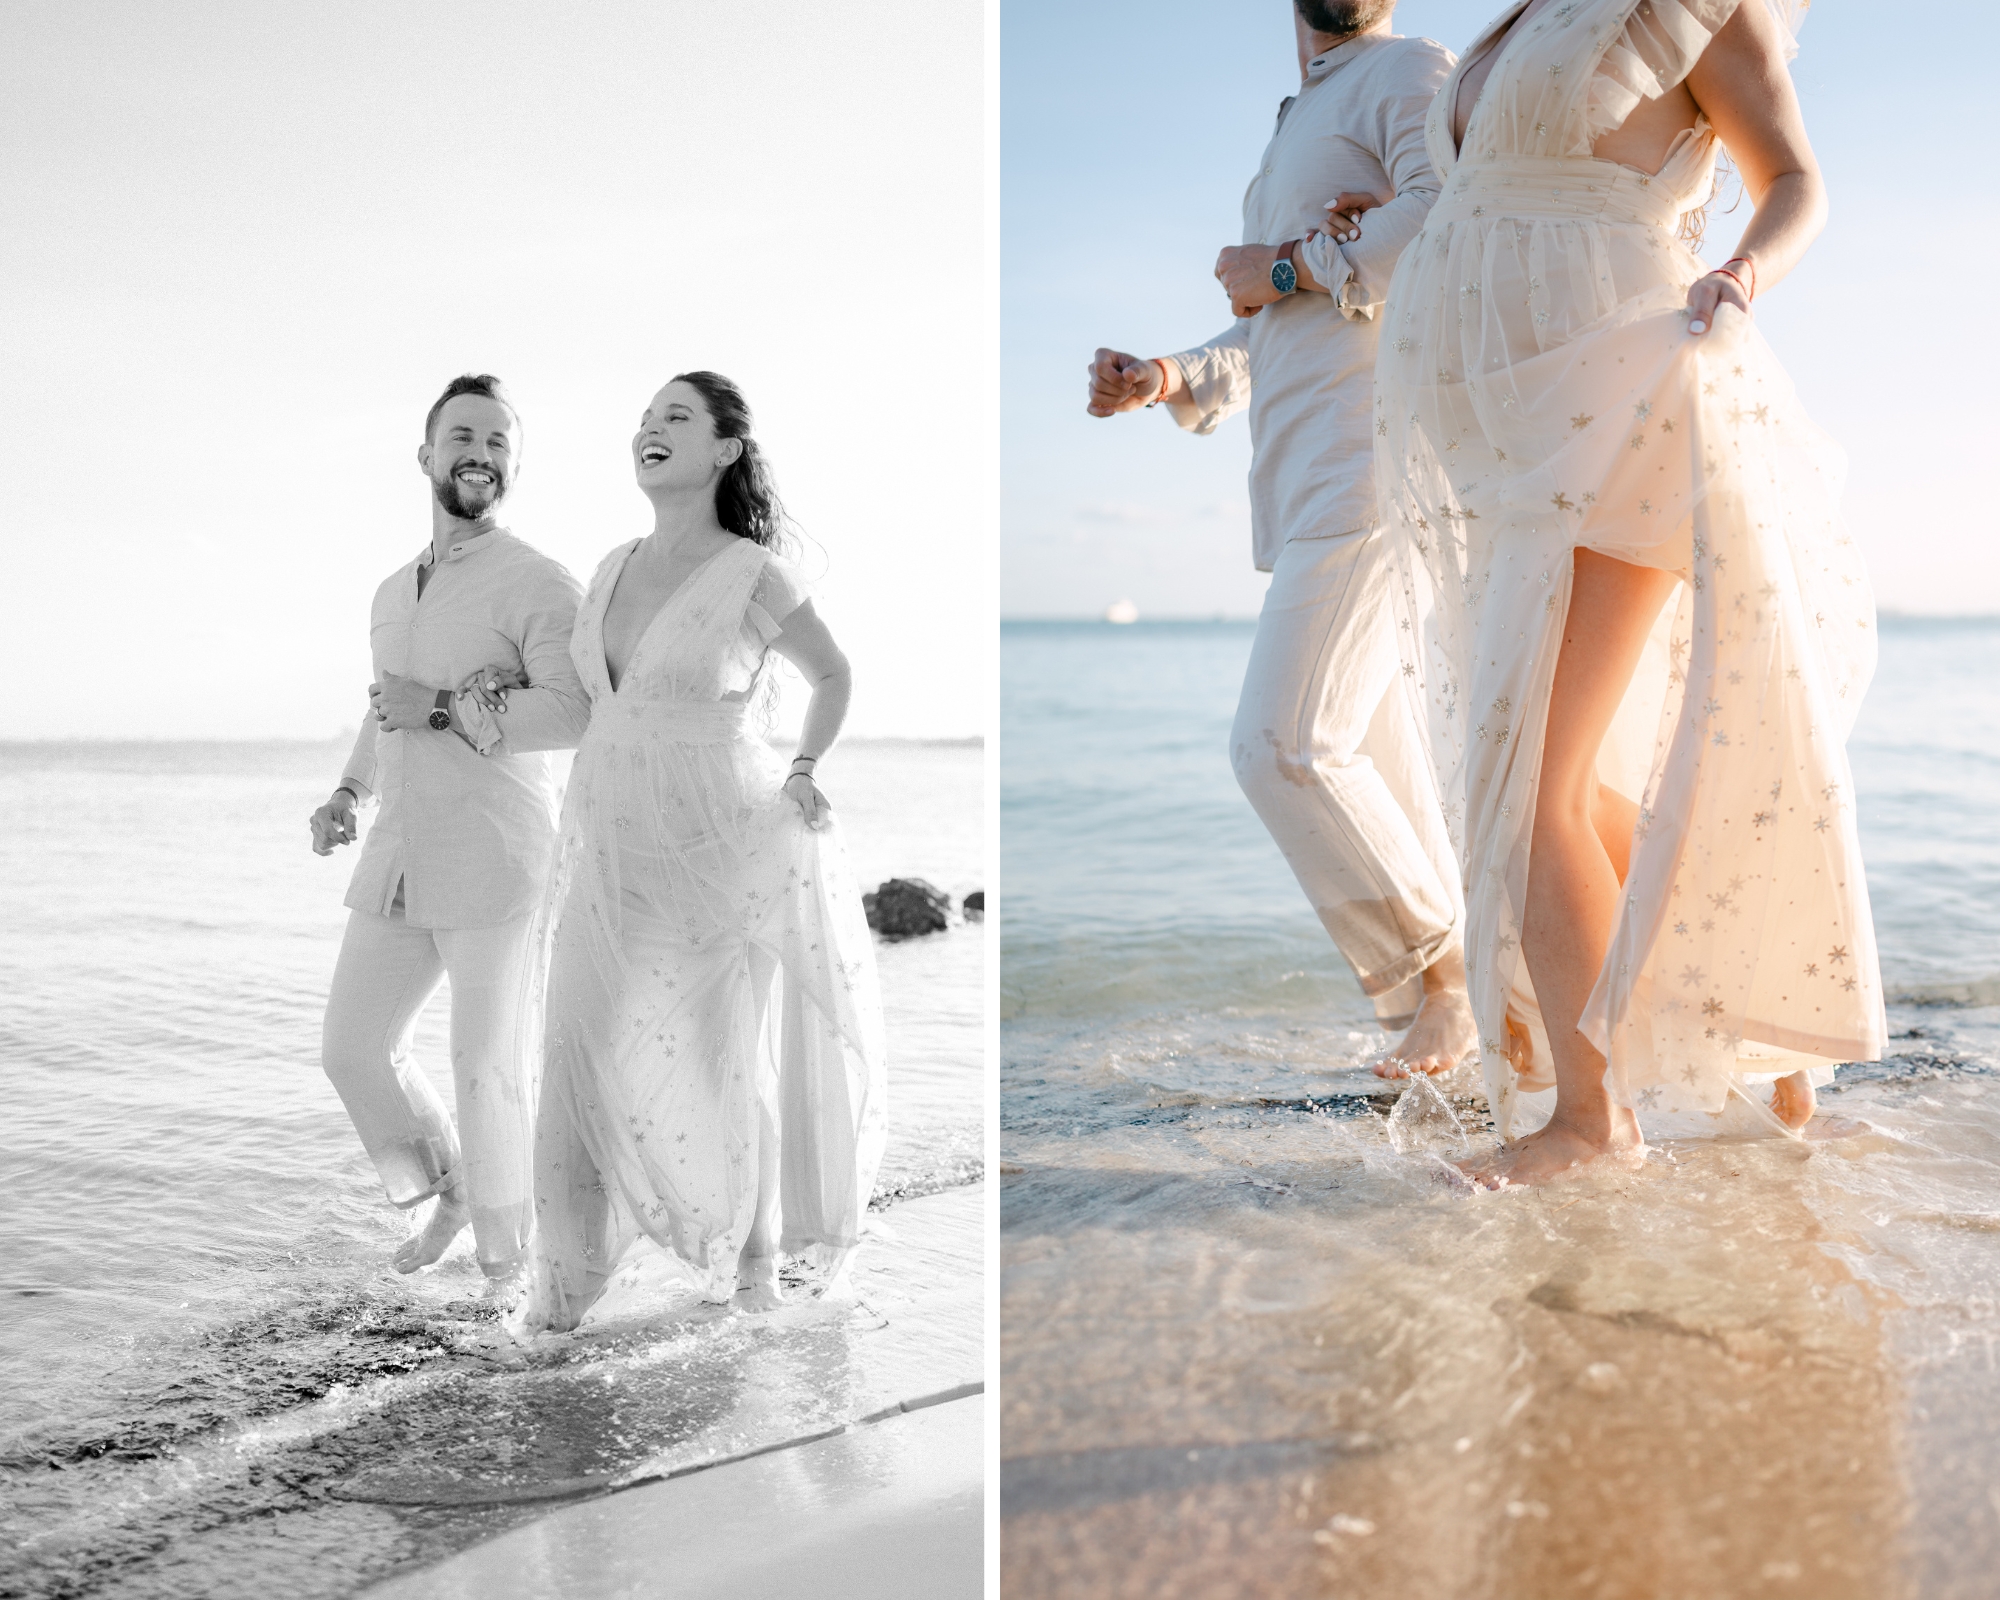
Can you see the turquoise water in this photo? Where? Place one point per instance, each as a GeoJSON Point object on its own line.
{"type": "Point", "coordinates": [202, 1339]}
{"type": "Point", "coordinates": [1241, 1307]}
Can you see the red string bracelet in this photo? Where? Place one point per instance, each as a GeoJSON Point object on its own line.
{"type": "Point", "coordinates": [1748, 292]}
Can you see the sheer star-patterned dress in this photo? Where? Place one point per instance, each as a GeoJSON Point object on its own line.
{"type": "Point", "coordinates": [707, 963]}
{"type": "Point", "coordinates": [1538, 391]}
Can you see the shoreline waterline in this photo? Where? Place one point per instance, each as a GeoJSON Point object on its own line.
{"type": "Point", "coordinates": [201, 1280]}
{"type": "Point", "coordinates": [1257, 1341]}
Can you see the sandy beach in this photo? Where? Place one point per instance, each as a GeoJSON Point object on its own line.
{"type": "Point", "coordinates": [1256, 1342]}
{"type": "Point", "coordinates": [886, 1490]}
{"type": "Point", "coordinates": [233, 1395]}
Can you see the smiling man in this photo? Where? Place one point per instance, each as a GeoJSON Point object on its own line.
{"type": "Point", "coordinates": [473, 684]}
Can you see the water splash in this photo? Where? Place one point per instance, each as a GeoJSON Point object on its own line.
{"type": "Point", "coordinates": [1423, 1120]}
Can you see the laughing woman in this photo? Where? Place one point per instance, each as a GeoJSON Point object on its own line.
{"type": "Point", "coordinates": [1639, 631]}
{"type": "Point", "coordinates": [712, 1031]}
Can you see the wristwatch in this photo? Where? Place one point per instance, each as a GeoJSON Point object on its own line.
{"type": "Point", "coordinates": [1285, 276]}
{"type": "Point", "coordinates": [440, 717]}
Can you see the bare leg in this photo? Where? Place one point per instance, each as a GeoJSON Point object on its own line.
{"type": "Point", "coordinates": [757, 1267]}
{"type": "Point", "coordinates": [1612, 818]}
{"type": "Point", "coordinates": [1573, 879]}
{"type": "Point", "coordinates": [1444, 1030]}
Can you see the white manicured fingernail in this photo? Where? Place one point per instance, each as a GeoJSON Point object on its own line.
{"type": "Point", "coordinates": [1697, 326]}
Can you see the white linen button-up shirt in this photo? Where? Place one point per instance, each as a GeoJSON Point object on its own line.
{"type": "Point", "coordinates": [466, 833]}
{"type": "Point", "coordinates": [1305, 366]}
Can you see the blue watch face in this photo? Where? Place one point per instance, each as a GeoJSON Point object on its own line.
{"type": "Point", "coordinates": [1283, 278]}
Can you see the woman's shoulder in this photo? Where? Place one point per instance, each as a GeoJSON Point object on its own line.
{"type": "Point", "coordinates": [614, 558]}
{"type": "Point", "coordinates": [779, 590]}
{"type": "Point", "coordinates": [780, 580]}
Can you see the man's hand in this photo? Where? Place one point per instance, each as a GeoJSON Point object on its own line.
{"type": "Point", "coordinates": [401, 702]}
{"type": "Point", "coordinates": [333, 823]}
{"type": "Point", "coordinates": [1244, 271]}
{"type": "Point", "coordinates": [1121, 382]}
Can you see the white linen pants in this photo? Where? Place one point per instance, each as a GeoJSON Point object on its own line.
{"type": "Point", "coordinates": [386, 973]}
{"type": "Point", "coordinates": [1330, 757]}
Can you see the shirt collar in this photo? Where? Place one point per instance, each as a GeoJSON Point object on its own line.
{"type": "Point", "coordinates": [1321, 65]}
{"type": "Point", "coordinates": [471, 542]}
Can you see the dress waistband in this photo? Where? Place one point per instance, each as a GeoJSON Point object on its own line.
{"type": "Point", "coordinates": [678, 721]}
{"type": "Point", "coordinates": [1578, 188]}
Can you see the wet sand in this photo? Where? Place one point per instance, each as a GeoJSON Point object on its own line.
{"type": "Point", "coordinates": [891, 1509]}
{"type": "Point", "coordinates": [811, 1424]}
{"type": "Point", "coordinates": [1250, 1351]}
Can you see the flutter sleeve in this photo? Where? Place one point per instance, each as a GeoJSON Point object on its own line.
{"type": "Point", "coordinates": [1658, 47]}
{"type": "Point", "coordinates": [778, 592]}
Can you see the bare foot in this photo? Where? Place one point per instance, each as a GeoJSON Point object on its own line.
{"type": "Point", "coordinates": [1437, 1041]}
{"type": "Point", "coordinates": [1792, 1100]}
{"type": "Point", "coordinates": [506, 1282]}
{"type": "Point", "coordinates": [757, 1284]}
{"type": "Point", "coordinates": [447, 1217]}
{"type": "Point", "coordinates": [1556, 1151]}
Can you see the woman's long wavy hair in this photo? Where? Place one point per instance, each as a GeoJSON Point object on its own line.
{"type": "Point", "coordinates": [1694, 223]}
{"type": "Point", "coordinates": [746, 495]}
{"type": "Point", "coordinates": [747, 505]}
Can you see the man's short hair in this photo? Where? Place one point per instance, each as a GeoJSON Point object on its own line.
{"type": "Point", "coordinates": [479, 383]}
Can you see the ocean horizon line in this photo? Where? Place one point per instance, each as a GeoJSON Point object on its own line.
{"type": "Point", "coordinates": [1186, 618]}
{"type": "Point", "coordinates": [346, 736]}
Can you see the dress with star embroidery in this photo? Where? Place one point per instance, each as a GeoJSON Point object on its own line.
{"type": "Point", "coordinates": [709, 970]}
{"type": "Point", "coordinates": [1538, 391]}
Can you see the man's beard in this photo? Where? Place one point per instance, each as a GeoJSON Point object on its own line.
{"type": "Point", "coordinates": [452, 498]}
{"type": "Point", "coordinates": [1343, 16]}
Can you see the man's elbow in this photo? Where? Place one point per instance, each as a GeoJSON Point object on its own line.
{"type": "Point", "coordinates": [575, 704]}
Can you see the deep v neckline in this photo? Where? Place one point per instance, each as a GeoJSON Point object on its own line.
{"type": "Point", "coordinates": [1496, 41]}
{"type": "Point", "coordinates": [645, 633]}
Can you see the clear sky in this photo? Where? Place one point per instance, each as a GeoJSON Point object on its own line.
{"type": "Point", "coordinates": [1130, 127]}
{"type": "Point", "coordinates": [246, 244]}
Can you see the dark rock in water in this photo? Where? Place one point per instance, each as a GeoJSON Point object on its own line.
{"type": "Point", "coordinates": [903, 907]}
{"type": "Point", "coordinates": [974, 906]}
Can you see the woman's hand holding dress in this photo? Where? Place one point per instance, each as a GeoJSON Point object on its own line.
{"type": "Point", "coordinates": [805, 794]}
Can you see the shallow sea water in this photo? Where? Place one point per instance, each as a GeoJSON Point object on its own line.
{"type": "Point", "coordinates": [1256, 1341]}
{"type": "Point", "coordinates": [216, 1386]}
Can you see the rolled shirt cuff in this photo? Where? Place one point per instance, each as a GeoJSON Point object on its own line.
{"type": "Point", "coordinates": [362, 793]}
{"type": "Point", "coordinates": [470, 716]}
{"type": "Point", "coordinates": [1214, 389]}
{"type": "Point", "coordinates": [1330, 266]}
